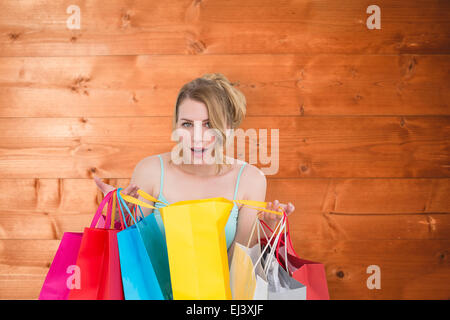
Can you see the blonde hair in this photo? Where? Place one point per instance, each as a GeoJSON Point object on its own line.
{"type": "Point", "coordinates": [226, 105]}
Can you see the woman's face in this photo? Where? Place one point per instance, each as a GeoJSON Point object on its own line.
{"type": "Point", "coordinates": [194, 121]}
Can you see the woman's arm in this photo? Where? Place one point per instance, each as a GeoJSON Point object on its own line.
{"type": "Point", "coordinates": [254, 183]}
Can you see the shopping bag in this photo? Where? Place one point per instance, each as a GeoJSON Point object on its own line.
{"type": "Point", "coordinates": [154, 242]}
{"type": "Point", "coordinates": [58, 282]}
{"type": "Point", "coordinates": [55, 286]}
{"type": "Point", "coordinates": [311, 274]}
{"type": "Point", "coordinates": [196, 246]}
{"type": "Point", "coordinates": [98, 260]}
{"type": "Point", "coordinates": [281, 286]}
{"type": "Point", "coordinates": [195, 236]}
{"type": "Point", "coordinates": [247, 280]}
{"type": "Point", "coordinates": [143, 257]}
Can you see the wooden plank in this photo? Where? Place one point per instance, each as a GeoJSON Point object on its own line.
{"type": "Point", "coordinates": [335, 196]}
{"type": "Point", "coordinates": [410, 269]}
{"type": "Point", "coordinates": [183, 27]}
{"type": "Point", "coordinates": [23, 267]}
{"type": "Point", "coordinates": [40, 225]}
{"type": "Point", "coordinates": [364, 196]}
{"type": "Point", "coordinates": [298, 85]}
{"type": "Point", "coordinates": [341, 209]}
{"type": "Point", "coordinates": [52, 196]}
{"type": "Point", "coordinates": [333, 147]}
{"type": "Point", "coordinates": [306, 226]}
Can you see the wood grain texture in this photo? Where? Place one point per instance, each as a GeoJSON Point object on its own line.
{"type": "Point", "coordinates": [363, 118]}
{"type": "Point", "coordinates": [308, 226]}
{"type": "Point", "coordinates": [332, 195]}
{"type": "Point", "coordinates": [408, 267]}
{"type": "Point", "coordinates": [274, 85]}
{"type": "Point", "coordinates": [205, 27]}
{"type": "Point", "coordinates": [308, 147]}
{"type": "Point", "coordinates": [340, 209]}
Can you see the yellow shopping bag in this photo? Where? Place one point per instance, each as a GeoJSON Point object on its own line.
{"type": "Point", "coordinates": [196, 245]}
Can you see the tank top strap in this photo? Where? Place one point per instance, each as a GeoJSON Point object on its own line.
{"type": "Point", "coordinates": [162, 175]}
{"type": "Point", "coordinates": [237, 182]}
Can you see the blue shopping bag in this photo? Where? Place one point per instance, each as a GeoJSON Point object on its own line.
{"type": "Point", "coordinates": [145, 273]}
{"type": "Point", "coordinates": [155, 243]}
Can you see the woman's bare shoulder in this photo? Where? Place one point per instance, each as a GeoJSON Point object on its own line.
{"type": "Point", "coordinates": [146, 173]}
{"type": "Point", "coordinates": [253, 172]}
{"type": "Point", "coordinates": [253, 179]}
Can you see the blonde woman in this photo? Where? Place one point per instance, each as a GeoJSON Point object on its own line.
{"type": "Point", "coordinates": [209, 102]}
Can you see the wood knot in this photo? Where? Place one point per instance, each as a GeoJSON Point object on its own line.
{"type": "Point", "coordinates": [408, 66]}
{"type": "Point", "coordinates": [302, 110]}
{"type": "Point", "coordinates": [196, 47]}
{"type": "Point", "coordinates": [357, 97]}
{"type": "Point", "coordinates": [126, 18]}
{"type": "Point", "coordinates": [304, 168]}
{"type": "Point", "coordinates": [80, 85]}
{"type": "Point", "coordinates": [353, 72]}
{"type": "Point", "coordinates": [135, 100]}
{"type": "Point", "coordinates": [412, 64]}
{"type": "Point", "coordinates": [340, 274]}
{"type": "Point", "coordinates": [13, 36]}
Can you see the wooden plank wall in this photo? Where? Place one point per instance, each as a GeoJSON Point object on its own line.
{"type": "Point", "coordinates": [363, 118]}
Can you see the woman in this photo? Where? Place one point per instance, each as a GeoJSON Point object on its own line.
{"type": "Point", "coordinates": [207, 103]}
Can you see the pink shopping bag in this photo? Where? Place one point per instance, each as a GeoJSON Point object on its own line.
{"type": "Point", "coordinates": [56, 286]}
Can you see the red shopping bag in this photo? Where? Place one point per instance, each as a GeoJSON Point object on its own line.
{"type": "Point", "coordinates": [98, 260]}
{"type": "Point", "coordinates": [311, 274]}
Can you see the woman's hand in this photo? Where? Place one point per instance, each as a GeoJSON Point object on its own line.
{"type": "Point", "coordinates": [272, 218]}
{"type": "Point", "coordinates": [130, 190]}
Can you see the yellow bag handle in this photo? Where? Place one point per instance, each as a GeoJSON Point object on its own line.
{"type": "Point", "coordinates": [257, 205]}
{"type": "Point", "coordinates": [136, 201]}
{"type": "Point", "coordinates": [144, 195]}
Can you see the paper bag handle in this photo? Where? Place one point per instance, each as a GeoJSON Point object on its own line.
{"type": "Point", "coordinates": [139, 202]}
{"type": "Point", "coordinates": [257, 205]}
{"type": "Point", "coordinates": [97, 215]}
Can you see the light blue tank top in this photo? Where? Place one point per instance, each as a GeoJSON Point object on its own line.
{"type": "Point", "coordinates": [230, 227]}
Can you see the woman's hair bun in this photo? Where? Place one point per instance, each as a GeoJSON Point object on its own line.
{"type": "Point", "coordinates": [237, 99]}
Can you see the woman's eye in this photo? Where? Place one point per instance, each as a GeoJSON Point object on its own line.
{"type": "Point", "coordinates": [188, 124]}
